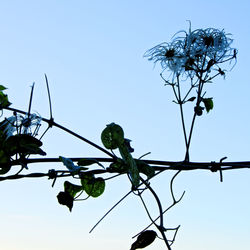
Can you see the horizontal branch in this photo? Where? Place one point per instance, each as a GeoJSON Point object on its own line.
{"type": "Point", "coordinates": [157, 164]}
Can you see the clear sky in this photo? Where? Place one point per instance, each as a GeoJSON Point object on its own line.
{"type": "Point", "coordinates": [92, 53]}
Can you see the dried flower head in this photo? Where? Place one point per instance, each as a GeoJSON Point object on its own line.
{"type": "Point", "coordinates": [194, 53]}
{"type": "Point", "coordinates": [28, 124]}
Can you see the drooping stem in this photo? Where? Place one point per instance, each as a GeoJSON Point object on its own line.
{"type": "Point", "coordinates": [161, 227]}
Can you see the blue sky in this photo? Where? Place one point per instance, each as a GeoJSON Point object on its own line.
{"type": "Point", "coordinates": [92, 53]}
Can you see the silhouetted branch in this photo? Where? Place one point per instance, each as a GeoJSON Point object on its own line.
{"type": "Point", "coordinates": [157, 164]}
{"type": "Point", "coordinates": [51, 122]}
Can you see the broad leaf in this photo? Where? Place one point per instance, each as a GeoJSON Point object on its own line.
{"type": "Point", "coordinates": [23, 143]}
{"type": "Point", "coordinates": [93, 186]}
{"type": "Point", "coordinates": [64, 198]}
{"type": "Point", "coordinates": [112, 136]}
{"type": "Point", "coordinates": [144, 239]}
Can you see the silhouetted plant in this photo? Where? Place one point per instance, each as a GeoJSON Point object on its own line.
{"type": "Point", "coordinates": [197, 57]}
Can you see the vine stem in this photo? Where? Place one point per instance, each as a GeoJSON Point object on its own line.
{"type": "Point", "coordinates": [116, 204]}
{"type": "Point", "coordinates": [189, 138]}
{"type": "Point", "coordinates": [180, 102]}
{"type": "Point", "coordinates": [161, 227]}
{"type": "Point", "coordinates": [201, 84]}
{"type": "Point", "coordinates": [200, 87]}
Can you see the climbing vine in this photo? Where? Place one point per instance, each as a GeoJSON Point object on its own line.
{"type": "Point", "coordinates": [189, 62]}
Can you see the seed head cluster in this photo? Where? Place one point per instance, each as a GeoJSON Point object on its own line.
{"type": "Point", "coordinates": [196, 52]}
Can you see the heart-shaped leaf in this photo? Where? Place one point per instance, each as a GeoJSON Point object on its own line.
{"type": "Point", "coordinates": [112, 136]}
{"type": "Point", "coordinates": [93, 186]}
{"type": "Point", "coordinates": [64, 198]}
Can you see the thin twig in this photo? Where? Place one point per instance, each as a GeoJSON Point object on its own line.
{"type": "Point", "coordinates": [50, 106]}
{"type": "Point", "coordinates": [116, 204]}
{"type": "Point", "coordinates": [31, 96]}
{"type": "Point", "coordinates": [145, 207]}
{"type": "Point", "coordinates": [171, 186]}
{"type": "Point", "coordinates": [180, 102]}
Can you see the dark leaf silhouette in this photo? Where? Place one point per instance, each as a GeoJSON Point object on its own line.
{"type": "Point", "coordinates": [144, 239]}
{"type": "Point", "coordinates": [23, 143]}
{"type": "Point", "coordinates": [66, 199]}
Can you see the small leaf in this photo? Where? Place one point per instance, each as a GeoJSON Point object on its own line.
{"type": "Point", "coordinates": [66, 199]}
{"type": "Point", "coordinates": [191, 99]}
{"type": "Point", "coordinates": [70, 165]}
{"type": "Point", "coordinates": [4, 102]}
{"type": "Point", "coordinates": [87, 162]}
{"type": "Point", "coordinates": [32, 149]}
{"type": "Point", "coordinates": [93, 186]}
{"type": "Point", "coordinates": [72, 189]}
{"type": "Point", "coordinates": [112, 136]}
{"type": "Point", "coordinates": [208, 102]}
{"type": "Point", "coordinates": [2, 88]}
{"type": "Point", "coordinates": [144, 239]}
